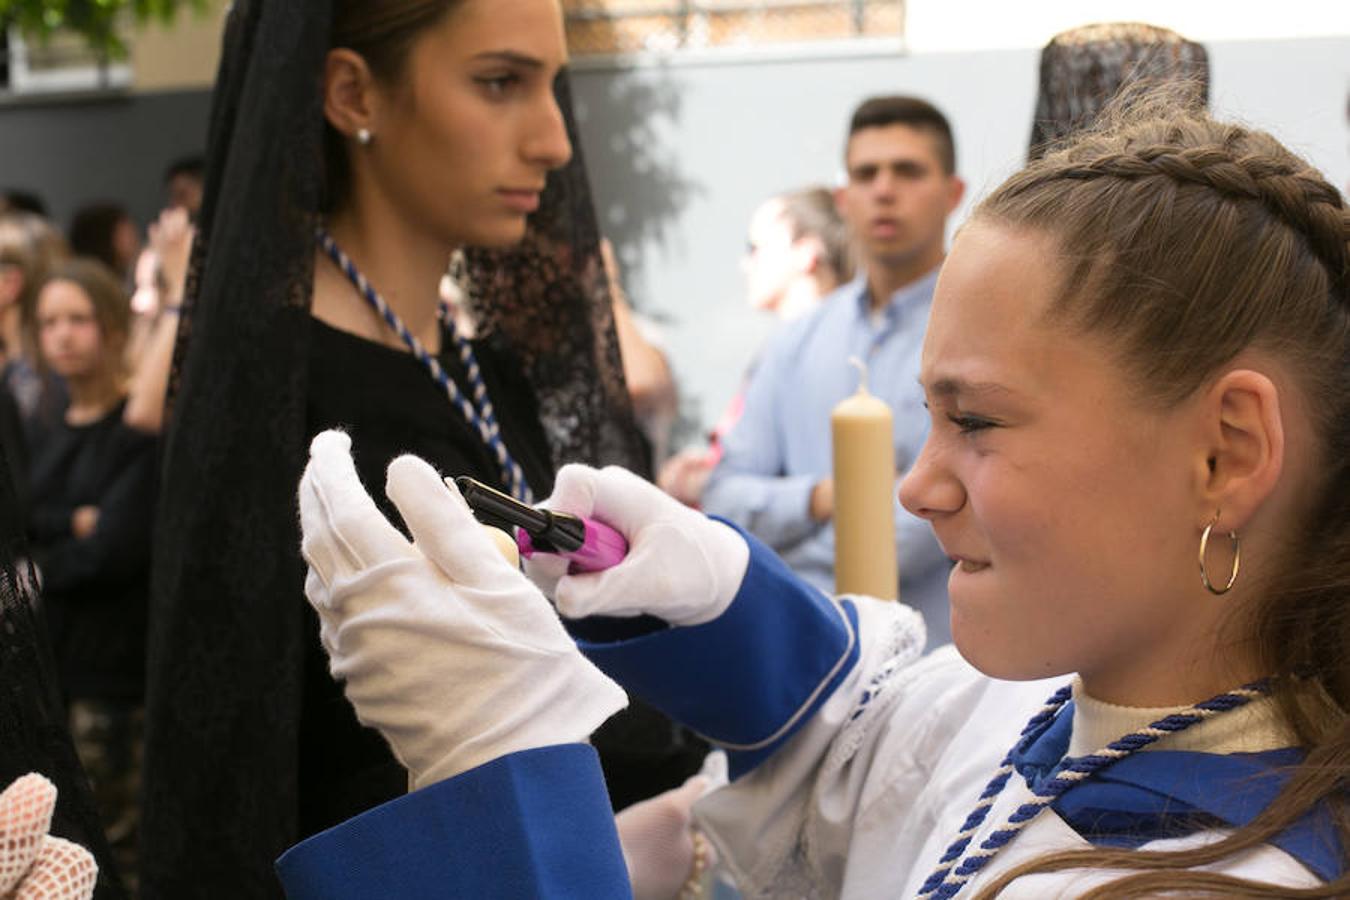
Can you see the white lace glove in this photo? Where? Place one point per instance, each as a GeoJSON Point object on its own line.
{"type": "Point", "coordinates": [661, 847]}
{"type": "Point", "coordinates": [444, 647]}
{"type": "Point", "coordinates": [681, 566]}
{"type": "Point", "coordinates": [33, 864]}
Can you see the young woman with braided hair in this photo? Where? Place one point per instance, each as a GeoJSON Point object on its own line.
{"type": "Point", "coordinates": [1136, 367]}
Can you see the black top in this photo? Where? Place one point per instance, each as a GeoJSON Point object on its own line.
{"type": "Point", "coordinates": [96, 587]}
{"type": "Point", "coordinates": [389, 403]}
{"type": "Point", "coordinates": [12, 439]}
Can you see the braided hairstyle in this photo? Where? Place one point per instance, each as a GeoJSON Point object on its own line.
{"type": "Point", "coordinates": [1187, 241]}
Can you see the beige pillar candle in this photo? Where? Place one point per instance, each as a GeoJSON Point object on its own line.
{"type": "Point", "coordinates": [864, 495]}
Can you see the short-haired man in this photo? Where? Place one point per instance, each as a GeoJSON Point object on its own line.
{"type": "Point", "coordinates": [775, 478]}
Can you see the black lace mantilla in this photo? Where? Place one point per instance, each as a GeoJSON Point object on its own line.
{"type": "Point", "coordinates": [550, 298]}
{"type": "Point", "coordinates": [1083, 68]}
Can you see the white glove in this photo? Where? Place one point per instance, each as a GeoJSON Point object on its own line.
{"type": "Point", "coordinates": [444, 647]}
{"type": "Point", "coordinates": [661, 848]}
{"type": "Point", "coordinates": [33, 864]}
{"type": "Point", "coordinates": [681, 566]}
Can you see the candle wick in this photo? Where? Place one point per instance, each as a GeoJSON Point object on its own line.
{"type": "Point", "coordinates": [862, 373]}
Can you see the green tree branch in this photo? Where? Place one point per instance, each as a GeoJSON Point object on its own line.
{"type": "Point", "coordinates": [95, 20]}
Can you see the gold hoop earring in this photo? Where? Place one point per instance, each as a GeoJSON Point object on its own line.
{"type": "Point", "coordinates": [1237, 559]}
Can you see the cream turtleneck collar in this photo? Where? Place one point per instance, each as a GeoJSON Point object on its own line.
{"type": "Point", "coordinates": [1247, 729]}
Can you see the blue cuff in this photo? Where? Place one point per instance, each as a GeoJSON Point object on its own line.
{"type": "Point", "coordinates": [751, 677]}
{"type": "Point", "coordinates": [531, 824]}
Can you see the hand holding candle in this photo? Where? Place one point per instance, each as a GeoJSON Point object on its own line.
{"type": "Point", "coordinates": [864, 495]}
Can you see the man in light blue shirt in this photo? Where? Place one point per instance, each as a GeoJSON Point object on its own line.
{"type": "Point", "coordinates": [775, 478]}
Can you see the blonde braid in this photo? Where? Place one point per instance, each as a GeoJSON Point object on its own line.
{"type": "Point", "coordinates": [1287, 188]}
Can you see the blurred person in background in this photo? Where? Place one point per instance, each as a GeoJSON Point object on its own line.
{"type": "Point", "coordinates": [19, 200]}
{"type": "Point", "coordinates": [106, 232]}
{"type": "Point", "coordinates": [646, 369]}
{"type": "Point", "coordinates": [159, 278]}
{"type": "Point", "coordinates": [184, 182]}
{"type": "Point", "coordinates": [29, 246]}
{"type": "Point", "coordinates": [91, 500]}
{"type": "Point", "coordinates": [776, 476]}
{"type": "Point", "coordinates": [797, 253]}
{"type": "Point", "coordinates": [161, 275]}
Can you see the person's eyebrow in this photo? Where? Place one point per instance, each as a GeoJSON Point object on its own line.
{"type": "Point", "coordinates": [510, 56]}
{"type": "Point", "coordinates": [957, 387]}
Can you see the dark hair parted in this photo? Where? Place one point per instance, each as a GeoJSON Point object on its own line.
{"type": "Point", "coordinates": [1187, 241]}
{"type": "Point", "coordinates": [811, 212]}
{"type": "Point", "coordinates": [880, 112]}
{"type": "Point", "coordinates": [93, 231]}
{"type": "Point", "coordinates": [382, 32]}
{"type": "Point", "coordinates": [193, 166]}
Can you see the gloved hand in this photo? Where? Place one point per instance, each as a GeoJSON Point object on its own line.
{"type": "Point", "coordinates": [33, 864]}
{"type": "Point", "coordinates": [681, 566]}
{"type": "Point", "coordinates": [443, 646]}
{"type": "Point", "coordinates": [662, 849]}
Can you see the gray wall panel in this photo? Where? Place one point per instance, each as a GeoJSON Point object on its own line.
{"type": "Point", "coordinates": [73, 152]}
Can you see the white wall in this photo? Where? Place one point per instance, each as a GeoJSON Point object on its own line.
{"type": "Point", "coordinates": [681, 153]}
{"type": "Point", "coordinates": [932, 25]}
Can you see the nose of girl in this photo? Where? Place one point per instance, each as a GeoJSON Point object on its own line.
{"type": "Point", "coordinates": [928, 490]}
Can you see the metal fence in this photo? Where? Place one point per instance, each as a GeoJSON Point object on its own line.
{"type": "Point", "coordinates": [596, 27]}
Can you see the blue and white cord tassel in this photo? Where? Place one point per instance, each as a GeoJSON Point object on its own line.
{"type": "Point", "coordinates": [478, 413]}
{"type": "Point", "coordinates": [949, 877]}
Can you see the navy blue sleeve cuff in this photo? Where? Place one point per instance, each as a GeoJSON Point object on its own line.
{"type": "Point", "coordinates": [531, 824]}
{"type": "Point", "coordinates": [751, 677]}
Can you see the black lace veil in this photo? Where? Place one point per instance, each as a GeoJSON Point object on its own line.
{"type": "Point", "coordinates": [33, 733]}
{"type": "Point", "coordinates": [227, 629]}
{"type": "Point", "coordinates": [1083, 68]}
{"type": "Point", "coordinates": [550, 298]}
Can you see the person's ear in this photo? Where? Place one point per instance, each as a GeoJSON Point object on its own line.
{"type": "Point", "coordinates": [956, 189]}
{"type": "Point", "coordinates": [349, 100]}
{"type": "Point", "coordinates": [1242, 447]}
{"type": "Point", "coordinates": [806, 255]}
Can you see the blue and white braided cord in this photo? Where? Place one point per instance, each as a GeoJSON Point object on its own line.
{"type": "Point", "coordinates": [478, 413]}
{"type": "Point", "coordinates": [948, 878]}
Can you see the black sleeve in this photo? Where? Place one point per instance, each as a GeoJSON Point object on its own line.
{"type": "Point", "coordinates": [120, 545]}
{"type": "Point", "coordinates": [15, 448]}
{"type": "Point", "coordinates": [49, 522]}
